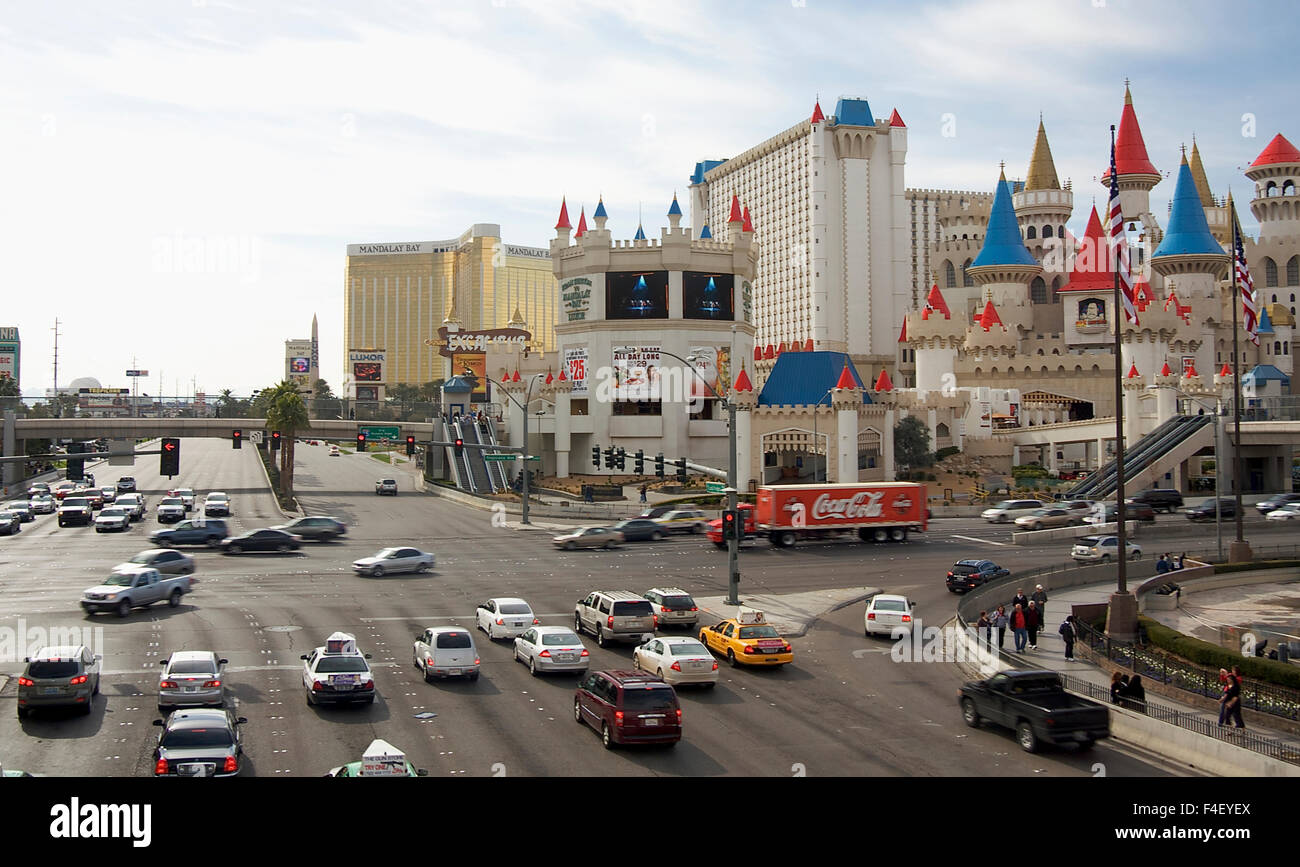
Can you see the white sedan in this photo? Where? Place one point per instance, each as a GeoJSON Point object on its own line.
{"type": "Point", "coordinates": [885, 613]}
{"type": "Point", "coordinates": [551, 648]}
{"type": "Point", "coordinates": [505, 617]}
{"type": "Point", "coordinates": [393, 560]}
{"type": "Point", "coordinates": [1286, 513]}
{"type": "Point", "coordinates": [42, 504]}
{"type": "Point", "coordinates": [112, 518]}
{"type": "Point", "coordinates": [677, 661]}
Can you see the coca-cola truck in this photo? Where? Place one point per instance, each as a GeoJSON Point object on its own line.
{"type": "Point", "coordinates": [875, 511]}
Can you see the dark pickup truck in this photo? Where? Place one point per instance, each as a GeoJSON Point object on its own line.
{"type": "Point", "coordinates": [1037, 707]}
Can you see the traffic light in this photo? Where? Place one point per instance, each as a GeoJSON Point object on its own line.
{"type": "Point", "coordinates": [659, 465]}
{"type": "Point", "coordinates": [361, 442]}
{"type": "Point", "coordinates": [236, 439]}
{"type": "Point", "coordinates": [169, 463]}
{"type": "Point", "coordinates": [595, 456]}
{"type": "Point", "coordinates": [460, 445]}
{"type": "Point", "coordinates": [729, 524]}
{"type": "Point", "coordinates": [609, 458]}
{"type": "Point", "coordinates": [76, 466]}
{"type": "Point", "coordinates": [410, 446]}
{"type": "Point", "coordinates": [681, 470]}
{"type": "Point", "coordinates": [620, 457]}
{"type": "Point", "coordinates": [275, 440]}
{"type": "Point", "coordinates": [640, 462]}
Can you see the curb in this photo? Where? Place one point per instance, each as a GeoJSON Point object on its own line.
{"type": "Point", "coordinates": [275, 499]}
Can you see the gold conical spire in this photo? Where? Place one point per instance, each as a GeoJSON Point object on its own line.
{"type": "Point", "coordinates": [516, 319]}
{"type": "Point", "coordinates": [1042, 171]}
{"type": "Point", "coordinates": [1198, 175]}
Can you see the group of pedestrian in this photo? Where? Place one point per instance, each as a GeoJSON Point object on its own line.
{"type": "Point", "coordinates": [1169, 563]}
{"type": "Point", "coordinates": [1230, 699]}
{"type": "Point", "coordinates": [1128, 691]}
{"type": "Point", "coordinates": [990, 624]}
{"type": "Point", "coordinates": [1028, 615]}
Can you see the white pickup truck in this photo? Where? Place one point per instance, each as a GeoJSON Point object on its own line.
{"type": "Point", "coordinates": [136, 588]}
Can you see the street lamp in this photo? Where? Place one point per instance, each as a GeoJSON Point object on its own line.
{"type": "Point", "coordinates": [733, 543]}
{"type": "Point", "coordinates": [816, 440]}
{"type": "Point", "coordinates": [523, 518]}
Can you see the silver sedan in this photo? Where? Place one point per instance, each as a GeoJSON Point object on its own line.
{"type": "Point", "coordinates": [168, 561]}
{"type": "Point", "coordinates": [393, 560]}
{"type": "Point", "coordinates": [551, 648]}
{"type": "Point", "coordinates": [677, 661]}
{"type": "Point", "coordinates": [589, 537]}
{"type": "Point", "coordinates": [42, 504]}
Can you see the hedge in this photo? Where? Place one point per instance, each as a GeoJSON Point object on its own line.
{"type": "Point", "coordinates": [1212, 656]}
{"type": "Point", "coordinates": [946, 452]}
{"type": "Point", "coordinates": [1224, 568]}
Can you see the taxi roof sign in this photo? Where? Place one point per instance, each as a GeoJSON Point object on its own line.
{"type": "Point", "coordinates": [749, 617]}
{"type": "Point", "coordinates": [341, 642]}
{"type": "Point", "coordinates": [382, 759]}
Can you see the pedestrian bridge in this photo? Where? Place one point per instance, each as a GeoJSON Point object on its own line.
{"type": "Point", "coordinates": [222, 428]}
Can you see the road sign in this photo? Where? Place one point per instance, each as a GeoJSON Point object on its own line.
{"type": "Point", "coordinates": [122, 460]}
{"type": "Point", "coordinates": [255, 437]}
{"type": "Point", "coordinates": [381, 433]}
{"type": "Point", "coordinates": [131, 373]}
{"type": "Point", "coordinates": [715, 487]}
{"type": "Point", "coordinates": [500, 457]}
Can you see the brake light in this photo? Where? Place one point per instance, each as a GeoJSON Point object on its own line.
{"type": "Point", "coordinates": [210, 684]}
{"type": "Point", "coordinates": [618, 717]}
{"type": "Point", "coordinates": [536, 621]}
{"type": "Point", "coordinates": [907, 618]}
{"type": "Point", "coordinates": [25, 681]}
{"type": "Point", "coordinates": [656, 618]}
{"type": "Point", "coordinates": [545, 653]}
{"type": "Point", "coordinates": [586, 652]}
{"type": "Point", "coordinates": [500, 622]}
{"type": "Point", "coordinates": [231, 765]}
{"type": "Point", "coordinates": [679, 716]}
{"type": "Point", "coordinates": [871, 615]}
{"type": "Point", "coordinates": [788, 648]}
{"type": "Point", "coordinates": [168, 684]}
{"type": "Point", "coordinates": [78, 680]}
{"type": "Point", "coordinates": [950, 575]}
{"type": "Point", "coordinates": [1050, 721]}
{"type": "Point", "coordinates": [715, 665]}
{"type": "Point", "coordinates": [609, 621]}
{"type": "Point", "coordinates": [161, 767]}
{"type": "Point", "coordinates": [369, 684]}
{"type": "Point", "coordinates": [476, 660]}
{"type": "Point", "coordinates": [749, 649]}
{"type": "Point", "coordinates": [317, 685]}
{"type": "Point", "coordinates": [677, 666]}
{"type": "Point", "coordinates": [693, 608]}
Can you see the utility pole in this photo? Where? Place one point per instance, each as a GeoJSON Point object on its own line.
{"type": "Point", "coordinates": [58, 411]}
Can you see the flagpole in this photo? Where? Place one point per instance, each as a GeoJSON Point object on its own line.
{"type": "Point", "coordinates": [1240, 550]}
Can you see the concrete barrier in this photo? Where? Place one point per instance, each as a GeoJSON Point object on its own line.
{"type": "Point", "coordinates": [1194, 749]}
{"type": "Point", "coordinates": [1029, 537]}
{"type": "Point", "coordinates": [1202, 578]}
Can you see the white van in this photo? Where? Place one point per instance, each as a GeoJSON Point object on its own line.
{"type": "Point", "coordinates": [1008, 510]}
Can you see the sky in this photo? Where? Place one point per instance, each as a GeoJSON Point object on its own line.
{"type": "Point", "coordinates": [268, 136]}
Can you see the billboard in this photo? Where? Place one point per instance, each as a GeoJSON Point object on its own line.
{"type": "Point", "coordinates": [299, 364]}
{"type": "Point", "coordinates": [575, 369]}
{"type": "Point", "coordinates": [367, 392]}
{"type": "Point", "coordinates": [367, 365]}
{"type": "Point", "coordinates": [707, 296]}
{"type": "Point", "coordinates": [713, 364]}
{"type": "Point", "coordinates": [476, 363]}
{"type": "Point", "coordinates": [636, 295]}
{"type": "Point", "coordinates": [636, 372]}
{"type": "Point", "coordinates": [10, 353]}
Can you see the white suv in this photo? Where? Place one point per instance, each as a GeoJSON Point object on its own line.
{"type": "Point", "coordinates": [673, 606]}
{"type": "Point", "coordinates": [1101, 549]}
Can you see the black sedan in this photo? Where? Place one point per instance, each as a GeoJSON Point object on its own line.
{"type": "Point", "coordinates": [1132, 512]}
{"type": "Point", "coordinates": [1205, 511]}
{"type": "Point", "coordinates": [199, 743]}
{"type": "Point", "coordinates": [317, 529]}
{"type": "Point", "coordinates": [261, 540]}
{"type": "Point", "coordinates": [969, 574]}
{"type": "Point", "coordinates": [639, 530]}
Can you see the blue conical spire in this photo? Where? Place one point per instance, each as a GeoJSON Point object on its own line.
{"type": "Point", "coordinates": [1002, 243]}
{"type": "Point", "coordinates": [675, 210]}
{"type": "Point", "coordinates": [705, 233]}
{"type": "Point", "coordinates": [640, 234]}
{"type": "Point", "coordinates": [600, 209]}
{"type": "Point", "coordinates": [1265, 323]}
{"type": "Point", "coordinates": [1188, 232]}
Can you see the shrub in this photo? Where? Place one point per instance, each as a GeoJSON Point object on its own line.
{"type": "Point", "coordinates": [1029, 471]}
{"type": "Point", "coordinates": [1224, 568]}
{"type": "Point", "coordinates": [1212, 656]}
{"type": "Point", "coordinates": [946, 452]}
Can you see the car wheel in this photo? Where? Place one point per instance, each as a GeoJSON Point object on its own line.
{"type": "Point", "coordinates": [605, 737]}
{"type": "Point", "coordinates": [969, 713]}
{"type": "Point", "coordinates": [569, 546]}
{"type": "Point", "coordinates": [310, 703]}
{"type": "Point", "coordinates": [95, 691]}
{"type": "Point", "coordinates": [235, 549]}
{"type": "Point", "coordinates": [123, 608]}
{"type": "Point", "coordinates": [600, 635]}
{"type": "Point", "coordinates": [284, 548]}
{"type": "Point", "coordinates": [1135, 555]}
{"type": "Point", "coordinates": [898, 534]}
{"type": "Point", "coordinates": [1084, 746]}
{"type": "Point", "coordinates": [577, 711]}
{"type": "Point", "coordinates": [175, 599]}
{"type": "Point", "coordinates": [609, 546]}
{"type": "Point", "coordinates": [697, 529]}
{"type": "Point", "coordinates": [424, 670]}
{"type": "Point", "coordinates": [377, 572]}
{"type": "Point", "coordinates": [87, 708]}
{"type": "Point", "coordinates": [731, 658]}
{"type": "Point", "coordinates": [212, 542]}
{"type": "Point", "coordinates": [532, 666]}
{"type": "Point", "coordinates": [473, 677]}
{"type": "Point", "coordinates": [577, 623]}
{"type": "Point", "coordinates": [656, 536]}
{"type": "Point", "coordinates": [1105, 558]}
{"type": "Point", "coordinates": [1026, 737]}
{"type": "Point", "coordinates": [659, 673]}
{"type": "Point", "coordinates": [786, 539]}
{"type": "Point", "coordinates": [711, 684]}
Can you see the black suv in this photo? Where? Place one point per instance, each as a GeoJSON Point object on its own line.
{"type": "Point", "coordinates": [1166, 499]}
{"type": "Point", "coordinates": [969, 574]}
{"type": "Point", "coordinates": [317, 529]}
{"type": "Point", "coordinates": [208, 532]}
{"type": "Point", "coordinates": [126, 485]}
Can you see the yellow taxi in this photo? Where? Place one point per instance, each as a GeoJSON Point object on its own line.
{"type": "Point", "coordinates": [748, 639]}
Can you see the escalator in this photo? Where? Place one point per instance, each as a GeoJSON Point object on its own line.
{"type": "Point", "coordinates": [458, 469]}
{"type": "Point", "coordinates": [487, 430]}
{"type": "Point", "coordinates": [476, 467]}
{"type": "Point", "coordinates": [1148, 453]}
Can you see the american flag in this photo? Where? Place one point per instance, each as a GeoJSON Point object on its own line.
{"type": "Point", "coordinates": [1119, 245]}
{"type": "Point", "coordinates": [1249, 304]}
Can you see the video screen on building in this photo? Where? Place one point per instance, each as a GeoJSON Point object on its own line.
{"type": "Point", "coordinates": [707, 296]}
{"type": "Point", "coordinates": [367, 392]}
{"type": "Point", "coordinates": [299, 364]}
{"type": "Point", "coordinates": [367, 371]}
{"type": "Point", "coordinates": [636, 295]}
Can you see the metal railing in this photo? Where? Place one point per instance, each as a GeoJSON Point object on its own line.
{"type": "Point", "coordinates": [1256, 743]}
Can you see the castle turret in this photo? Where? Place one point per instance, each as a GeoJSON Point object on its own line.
{"type": "Point", "coordinates": [1216, 215]}
{"type": "Point", "coordinates": [1188, 249]}
{"type": "Point", "coordinates": [1137, 174]}
{"type": "Point", "coordinates": [1042, 206]}
{"type": "Point", "coordinates": [1004, 267]}
{"type": "Point", "coordinates": [935, 336]}
{"type": "Point", "coordinates": [1275, 173]}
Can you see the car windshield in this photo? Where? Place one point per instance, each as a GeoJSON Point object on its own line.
{"type": "Point", "coordinates": [143, 557]}
{"type": "Point", "coordinates": [113, 513]}
{"type": "Point", "coordinates": [191, 666]}
{"type": "Point", "coordinates": [53, 668]}
{"type": "Point", "coordinates": [75, 501]}
{"type": "Point", "coordinates": [125, 579]}
{"type": "Point", "coordinates": [633, 609]}
{"type": "Point", "coordinates": [648, 698]}
{"type": "Point", "coordinates": [335, 664]}
{"type": "Point", "coordinates": [689, 648]}
{"type": "Point", "coordinates": [182, 739]}
{"type": "Point", "coordinates": [964, 569]}
{"type": "Point", "coordinates": [16, 504]}
{"type": "Point", "coordinates": [454, 640]}
{"type": "Point", "coordinates": [560, 639]}
{"type": "Point", "coordinates": [678, 603]}
{"type": "Point", "coordinates": [1005, 504]}
{"type": "Point", "coordinates": [217, 498]}
{"type": "Point", "coordinates": [515, 608]}
{"type": "Point", "coordinates": [890, 605]}
{"type": "Point", "coordinates": [172, 501]}
{"type": "Point", "coordinates": [759, 632]}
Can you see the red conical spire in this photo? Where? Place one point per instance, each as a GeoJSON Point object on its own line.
{"type": "Point", "coordinates": [742, 382]}
{"type": "Point", "coordinates": [735, 210]}
{"type": "Point", "coordinates": [1143, 297]}
{"type": "Point", "coordinates": [1279, 150]}
{"type": "Point", "coordinates": [990, 317]}
{"type": "Point", "coordinates": [582, 223]}
{"type": "Point", "coordinates": [1130, 150]}
{"type": "Point", "coordinates": [563, 378]}
{"type": "Point", "coordinates": [846, 379]}
{"type": "Point", "coordinates": [1191, 369]}
{"type": "Point", "coordinates": [515, 378]}
{"type": "Point", "coordinates": [1165, 371]}
{"type": "Point", "coordinates": [769, 351]}
{"type": "Point", "coordinates": [549, 378]}
{"type": "Point", "coordinates": [1091, 271]}
{"type": "Point", "coordinates": [747, 225]}
{"type": "Point", "coordinates": [1133, 372]}
{"type": "Point", "coordinates": [883, 382]}
{"type": "Point", "coordinates": [934, 303]}
{"type": "Point", "coordinates": [817, 116]}
{"type": "Point", "coordinates": [902, 336]}
{"type": "Point", "coordinates": [896, 119]}
{"type": "Point", "coordinates": [808, 345]}
{"type": "Point", "coordinates": [505, 377]}
{"type": "Point", "coordinates": [1227, 371]}
{"type": "Point", "coordinates": [563, 222]}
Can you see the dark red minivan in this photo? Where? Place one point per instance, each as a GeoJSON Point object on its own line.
{"type": "Point", "coordinates": [628, 707]}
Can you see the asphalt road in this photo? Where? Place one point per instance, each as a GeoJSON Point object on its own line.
{"type": "Point", "coordinates": [843, 708]}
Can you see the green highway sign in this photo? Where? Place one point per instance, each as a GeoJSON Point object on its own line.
{"type": "Point", "coordinates": [500, 457]}
{"type": "Point", "coordinates": [714, 487]}
{"type": "Point", "coordinates": [381, 433]}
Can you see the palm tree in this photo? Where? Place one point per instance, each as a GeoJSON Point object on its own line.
{"type": "Point", "coordinates": [286, 413]}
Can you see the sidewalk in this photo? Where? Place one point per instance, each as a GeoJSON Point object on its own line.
{"type": "Point", "coordinates": [1050, 655]}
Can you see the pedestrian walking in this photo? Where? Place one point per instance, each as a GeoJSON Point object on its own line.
{"type": "Point", "coordinates": [982, 627]}
{"type": "Point", "coordinates": [1069, 635]}
{"type": "Point", "coordinates": [1223, 694]}
{"type": "Point", "coordinates": [1163, 565]}
{"type": "Point", "coordinates": [643, 492]}
{"type": "Point", "coordinates": [1039, 597]}
{"type": "Point", "coordinates": [1232, 699]}
{"type": "Point", "coordinates": [1020, 599]}
{"type": "Point", "coordinates": [1000, 622]}
{"type": "Point", "coordinates": [1118, 682]}
{"type": "Point", "coordinates": [1134, 695]}
{"type": "Point", "coordinates": [1032, 624]}
{"type": "Point", "coordinates": [1019, 629]}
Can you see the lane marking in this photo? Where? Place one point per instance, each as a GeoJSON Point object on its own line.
{"type": "Point", "coordinates": [984, 541]}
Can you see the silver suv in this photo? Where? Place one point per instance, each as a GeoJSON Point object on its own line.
{"type": "Point", "coordinates": [673, 606]}
{"type": "Point", "coordinates": [63, 676]}
{"type": "Point", "coordinates": [386, 486]}
{"type": "Point", "coordinates": [615, 615]}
